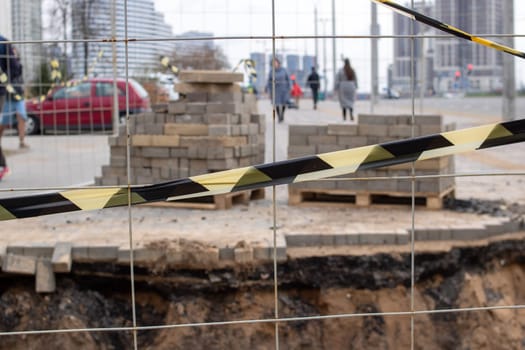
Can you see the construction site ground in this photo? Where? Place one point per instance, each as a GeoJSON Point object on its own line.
{"type": "Point", "coordinates": [58, 161]}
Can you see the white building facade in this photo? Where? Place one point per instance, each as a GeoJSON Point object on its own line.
{"type": "Point", "coordinates": [144, 24]}
{"type": "Point", "coordinates": [22, 21]}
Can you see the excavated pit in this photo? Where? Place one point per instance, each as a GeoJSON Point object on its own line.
{"type": "Point", "coordinates": [98, 296]}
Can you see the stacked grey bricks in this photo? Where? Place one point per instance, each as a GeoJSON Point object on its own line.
{"type": "Point", "coordinates": [213, 127]}
{"type": "Point", "coordinates": [373, 129]}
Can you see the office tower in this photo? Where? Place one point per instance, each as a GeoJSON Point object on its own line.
{"type": "Point", "coordinates": [22, 21]}
{"type": "Point", "coordinates": [293, 64]}
{"type": "Point", "coordinates": [422, 52]}
{"type": "Point", "coordinates": [260, 68]}
{"type": "Point", "coordinates": [462, 64]}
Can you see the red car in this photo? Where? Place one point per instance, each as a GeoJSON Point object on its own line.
{"type": "Point", "coordinates": [84, 105]}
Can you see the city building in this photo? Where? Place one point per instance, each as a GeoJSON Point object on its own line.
{"type": "Point", "coordinates": [460, 64]}
{"type": "Point", "coordinates": [260, 68]}
{"type": "Point", "coordinates": [195, 43]}
{"type": "Point", "coordinates": [308, 63]}
{"type": "Point", "coordinates": [143, 22]}
{"type": "Point", "coordinates": [293, 64]}
{"type": "Point", "coordinates": [401, 75]}
{"type": "Point", "coordinates": [22, 21]}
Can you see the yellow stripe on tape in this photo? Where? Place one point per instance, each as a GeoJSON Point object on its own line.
{"type": "Point", "coordinates": [463, 140]}
{"type": "Point", "coordinates": [89, 199]}
{"type": "Point", "coordinates": [5, 214]}
{"type": "Point", "coordinates": [346, 161]}
{"type": "Point", "coordinates": [224, 180]}
{"type": "Point", "coordinates": [306, 168]}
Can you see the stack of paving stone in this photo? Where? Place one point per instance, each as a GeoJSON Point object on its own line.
{"type": "Point", "coordinates": [213, 127]}
{"type": "Point", "coordinates": [372, 129]}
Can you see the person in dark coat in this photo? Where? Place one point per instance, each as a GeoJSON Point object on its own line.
{"type": "Point", "coordinates": [346, 86]}
{"type": "Point", "coordinates": [9, 66]}
{"type": "Point", "coordinates": [282, 88]}
{"type": "Point", "coordinates": [314, 83]}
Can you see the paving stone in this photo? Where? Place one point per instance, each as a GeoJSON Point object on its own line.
{"type": "Point", "coordinates": [45, 277]}
{"type": "Point", "coordinates": [210, 76]}
{"type": "Point", "coordinates": [377, 238]}
{"type": "Point", "coordinates": [19, 264]}
{"type": "Point", "coordinates": [226, 253]}
{"type": "Point", "coordinates": [303, 240]}
{"type": "Point", "coordinates": [186, 129]}
{"type": "Point", "coordinates": [185, 88]}
{"type": "Point", "coordinates": [140, 255]}
{"type": "Point", "coordinates": [377, 119]}
{"type": "Point", "coordinates": [342, 130]}
{"type": "Point", "coordinates": [471, 231]}
{"type": "Point", "coordinates": [103, 253]}
{"type": "Point", "coordinates": [402, 236]}
{"type": "Point", "coordinates": [265, 250]}
{"type": "Point", "coordinates": [3, 252]}
{"type": "Point", "coordinates": [243, 255]}
{"type": "Point", "coordinates": [62, 258]}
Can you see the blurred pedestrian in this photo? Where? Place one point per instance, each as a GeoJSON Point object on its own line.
{"type": "Point", "coordinates": [296, 91]}
{"type": "Point", "coordinates": [346, 86]}
{"type": "Point", "coordinates": [14, 106]}
{"type": "Point", "coordinates": [282, 88]}
{"type": "Point", "coordinates": [314, 83]}
{"type": "Point", "coordinates": [9, 66]}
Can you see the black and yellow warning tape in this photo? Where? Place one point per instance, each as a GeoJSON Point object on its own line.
{"type": "Point", "coordinates": [249, 67]}
{"type": "Point", "coordinates": [9, 87]}
{"type": "Point", "coordinates": [165, 62]}
{"type": "Point", "coordinates": [448, 28]}
{"type": "Point", "coordinates": [302, 169]}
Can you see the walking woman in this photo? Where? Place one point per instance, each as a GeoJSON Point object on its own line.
{"type": "Point", "coordinates": [346, 86]}
{"type": "Point", "coordinates": [282, 88]}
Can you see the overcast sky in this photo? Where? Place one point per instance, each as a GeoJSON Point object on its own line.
{"type": "Point", "coordinates": [296, 17]}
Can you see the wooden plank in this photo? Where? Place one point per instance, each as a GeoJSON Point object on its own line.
{"type": "Point", "coordinates": [187, 88]}
{"type": "Point", "coordinates": [328, 197]}
{"type": "Point", "coordinates": [210, 76]}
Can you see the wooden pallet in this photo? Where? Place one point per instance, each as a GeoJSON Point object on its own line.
{"type": "Point", "coordinates": [365, 199]}
{"type": "Point", "coordinates": [217, 202]}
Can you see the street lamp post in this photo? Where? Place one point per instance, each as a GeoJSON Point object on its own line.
{"type": "Point", "coordinates": [323, 21]}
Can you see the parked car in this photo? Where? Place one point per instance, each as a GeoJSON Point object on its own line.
{"type": "Point", "coordinates": [84, 105]}
{"type": "Point", "coordinates": [391, 94]}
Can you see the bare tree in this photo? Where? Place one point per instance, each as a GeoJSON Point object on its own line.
{"type": "Point", "coordinates": [84, 14]}
{"type": "Point", "coordinates": [59, 11]}
{"type": "Point", "coordinates": [200, 57]}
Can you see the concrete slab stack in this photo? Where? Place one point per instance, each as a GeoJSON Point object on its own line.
{"type": "Point", "coordinates": [372, 129]}
{"type": "Point", "coordinates": [214, 126]}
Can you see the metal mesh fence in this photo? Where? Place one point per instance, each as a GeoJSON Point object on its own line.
{"type": "Point", "coordinates": [78, 81]}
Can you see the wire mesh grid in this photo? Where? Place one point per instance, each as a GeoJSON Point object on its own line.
{"type": "Point", "coordinates": [274, 41]}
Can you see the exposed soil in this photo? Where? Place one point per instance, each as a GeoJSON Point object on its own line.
{"type": "Point", "coordinates": [98, 296]}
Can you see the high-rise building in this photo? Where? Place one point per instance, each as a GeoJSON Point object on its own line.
{"type": "Point", "coordinates": [5, 18]}
{"type": "Point", "coordinates": [260, 68]}
{"type": "Point", "coordinates": [143, 22]}
{"type": "Point", "coordinates": [308, 62]}
{"type": "Point", "coordinates": [293, 64]}
{"type": "Point", "coordinates": [22, 21]}
{"type": "Point", "coordinates": [462, 64]}
{"type": "Point", "coordinates": [422, 52]}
